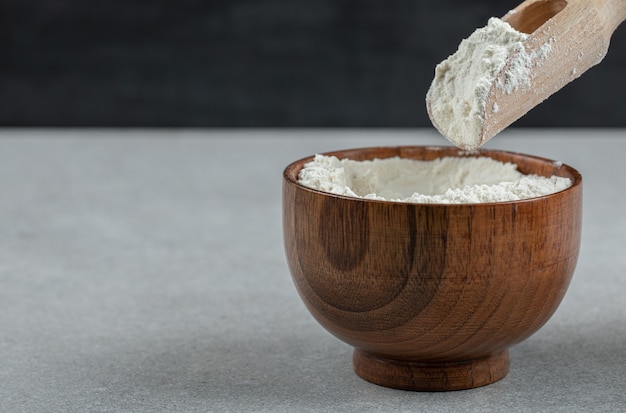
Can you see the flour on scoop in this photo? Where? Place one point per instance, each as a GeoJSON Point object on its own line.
{"type": "Point", "coordinates": [457, 97]}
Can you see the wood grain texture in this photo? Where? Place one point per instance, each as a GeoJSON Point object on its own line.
{"type": "Point", "coordinates": [409, 375]}
{"type": "Point", "coordinates": [578, 32]}
{"type": "Point", "coordinates": [432, 287]}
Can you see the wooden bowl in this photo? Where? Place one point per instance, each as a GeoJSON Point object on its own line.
{"type": "Point", "coordinates": [431, 296]}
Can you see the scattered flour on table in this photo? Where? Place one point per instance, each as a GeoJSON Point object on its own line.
{"type": "Point", "coordinates": [450, 180]}
{"type": "Point", "coordinates": [457, 97]}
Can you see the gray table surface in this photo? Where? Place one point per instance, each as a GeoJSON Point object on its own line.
{"type": "Point", "coordinates": [143, 271]}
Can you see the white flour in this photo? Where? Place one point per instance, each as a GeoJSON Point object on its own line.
{"type": "Point", "coordinates": [458, 95]}
{"type": "Point", "coordinates": [450, 180]}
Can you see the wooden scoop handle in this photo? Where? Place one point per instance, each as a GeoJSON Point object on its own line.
{"type": "Point", "coordinates": [530, 15]}
{"type": "Point", "coordinates": [613, 12]}
{"type": "Point", "coordinates": [578, 32]}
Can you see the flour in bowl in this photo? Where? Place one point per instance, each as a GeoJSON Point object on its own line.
{"type": "Point", "coordinates": [449, 180]}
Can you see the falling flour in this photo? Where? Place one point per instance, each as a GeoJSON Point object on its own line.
{"type": "Point", "coordinates": [457, 98]}
{"type": "Point", "coordinates": [449, 180]}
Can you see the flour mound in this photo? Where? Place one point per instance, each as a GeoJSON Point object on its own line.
{"type": "Point", "coordinates": [449, 180]}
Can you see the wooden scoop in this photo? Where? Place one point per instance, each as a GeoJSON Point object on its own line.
{"type": "Point", "coordinates": [578, 32]}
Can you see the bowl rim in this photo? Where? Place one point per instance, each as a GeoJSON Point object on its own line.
{"type": "Point", "coordinates": [291, 171]}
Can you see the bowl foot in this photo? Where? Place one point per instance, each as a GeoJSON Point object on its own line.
{"type": "Point", "coordinates": [444, 376]}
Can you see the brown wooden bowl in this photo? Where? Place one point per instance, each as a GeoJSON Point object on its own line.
{"type": "Point", "coordinates": [431, 296]}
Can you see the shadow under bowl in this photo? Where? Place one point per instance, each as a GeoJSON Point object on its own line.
{"type": "Point", "coordinates": [432, 296]}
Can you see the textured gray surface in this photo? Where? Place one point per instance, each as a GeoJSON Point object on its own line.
{"type": "Point", "coordinates": [144, 271]}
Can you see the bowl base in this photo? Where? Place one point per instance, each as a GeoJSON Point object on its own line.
{"type": "Point", "coordinates": [444, 376]}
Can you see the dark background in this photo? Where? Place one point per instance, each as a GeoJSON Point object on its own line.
{"type": "Point", "coordinates": [249, 63]}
